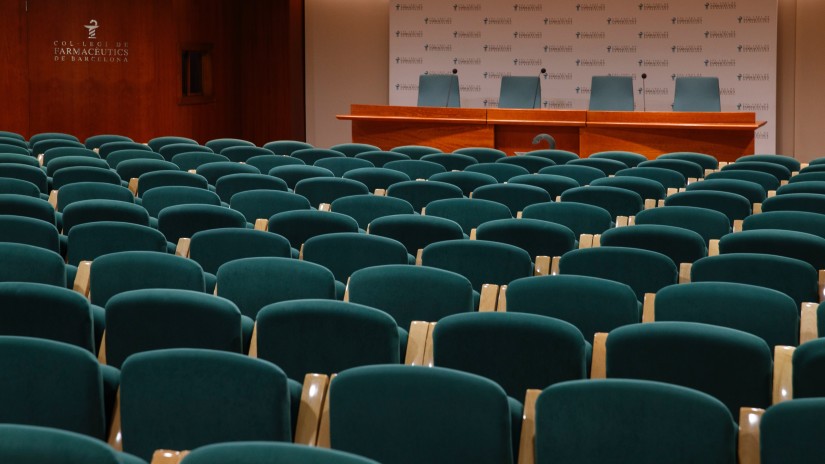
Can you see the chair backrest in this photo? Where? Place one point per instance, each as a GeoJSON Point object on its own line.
{"type": "Point", "coordinates": [267, 162]}
{"type": "Point", "coordinates": [667, 177]}
{"type": "Point", "coordinates": [629, 158]}
{"type": "Point", "coordinates": [754, 192]}
{"type": "Point", "coordinates": [690, 168]}
{"type": "Point", "coordinates": [482, 154]}
{"type": "Point", "coordinates": [328, 189]}
{"type": "Point", "coordinates": [811, 202]}
{"type": "Point", "coordinates": [557, 156]}
{"type": "Point", "coordinates": [158, 198]}
{"type": "Point", "coordinates": [438, 90]}
{"type": "Point", "coordinates": [107, 148]}
{"type": "Point", "coordinates": [27, 263]}
{"type": "Point", "coordinates": [134, 168]}
{"type": "Point", "coordinates": [310, 155]}
{"type": "Point", "coordinates": [181, 221]}
{"type": "Point", "coordinates": [812, 186]}
{"type": "Point", "coordinates": [81, 191]}
{"type": "Point", "coordinates": [92, 240]}
{"type": "Point", "coordinates": [20, 205]}
{"type": "Point", "coordinates": [581, 218]}
{"type": "Point", "coordinates": [72, 161]}
{"type": "Point", "coordinates": [18, 187]}
{"type": "Point", "coordinates": [215, 171]}
{"type": "Point", "coordinates": [646, 188]}
{"type": "Point", "coordinates": [154, 179]}
{"type": "Point", "coordinates": [467, 181]}
{"type": "Point", "coordinates": [708, 223]}
{"type": "Point", "coordinates": [379, 158]}
{"type": "Point", "coordinates": [95, 141]}
{"type": "Point", "coordinates": [231, 184]}
{"type": "Point", "coordinates": [345, 252]}
{"type": "Point", "coordinates": [514, 196]}
{"type": "Point", "coordinates": [767, 181]}
{"type": "Point", "coordinates": [635, 420]}
{"type": "Point", "coordinates": [263, 204]}
{"type": "Point", "coordinates": [520, 92]}
{"type": "Point", "coordinates": [119, 156]}
{"type": "Point", "coordinates": [480, 261]}
{"type": "Point", "coordinates": [702, 159]}
{"type": "Point", "coordinates": [17, 158]}
{"type": "Point", "coordinates": [502, 172]}
{"type": "Point", "coordinates": [159, 142]}
{"type": "Point", "coordinates": [732, 205]}
{"type": "Point", "coordinates": [270, 453]}
{"type": "Point", "coordinates": [468, 213]}
{"type": "Point", "coordinates": [697, 94]}
{"type": "Point", "coordinates": [581, 174]}
{"type": "Point", "coordinates": [292, 174]}
{"type": "Point", "coordinates": [183, 383]}
{"type": "Point", "coordinates": [61, 152]}
{"type": "Point", "coordinates": [533, 164]}
{"type": "Point", "coordinates": [420, 194]}
{"type": "Point", "coordinates": [800, 221]}
{"type": "Point", "coordinates": [536, 237]}
{"type": "Point", "coordinates": [788, 432]}
{"type": "Point", "coordinates": [606, 165]}
{"type": "Point", "coordinates": [286, 147]}
{"type": "Point", "coordinates": [214, 247]}
{"type": "Point", "coordinates": [376, 178]}
{"type": "Point", "coordinates": [416, 151]}
{"type": "Point", "coordinates": [242, 153]}
{"type": "Point", "coordinates": [189, 160]}
{"type": "Point", "coordinates": [551, 183]}
{"type": "Point", "coordinates": [219, 145]}
{"type": "Point", "coordinates": [611, 93]}
{"type": "Point", "coordinates": [416, 168]}
{"type": "Point", "coordinates": [31, 174]}
{"type": "Point", "coordinates": [808, 361]}
{"type": "Point", "coordinates": [416, 231]}
{"type": "Point", "coordinates": [340, 166]}
{"type": "Point", "coordinates": [27, 444]}
{"type": "Point", "coordinates": [298, 226]}
{"type": "Point", "coordinates": [351, 149]}
{"type": "Point", "coordinates": [450, 161]}
{"type": "Point", "coordinates": [680, 245]}
{"type": "Point", "coordinates": [462, 417]}
{"type": "Point", "coordinates": [617, 201]}
{"type": "Point", "coordinates": [31, 231]}
{"type": "Point", "coordinates": [51, 135]}
{"type": "Point", "coordinates": [799, 245]}
{"type": "Point", "coordinates": [779, 171]}
{"type": "Point", "coordinates": [85, 211]}
{"type": "Point", "coordinates": [367, 208]}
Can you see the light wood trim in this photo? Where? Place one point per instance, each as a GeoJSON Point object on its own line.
{"type": "Point", "coordinates": [757, 208]}
{"type": "Point", "coordinates": [82, 280]}
{"type": "Point", "coordinates": [262, 224]}
{"type": "Point", "coordinates": [558, 199]}
{"type": "Point", "coordinates": [313, 396]}
{"type": "Point", "coordinates": [53, 199]}
{"type": "Point", "coordinates": [416, 343]}
{"type": "Point", "coordinates": [631, 220]}
{"type": "Point", "coordinates": [748, 442]}
{"type": "Point", "coordinates": [326, 207]}
{"type": "Point", "coordinates": [527, 450]}
{"type": "Point", "coordinates": [660, 203]}
{"type": "Point", "coordinates": [473, 233]}
{"type": "Point", "coordinates": [708, 171]}
{"type": "Point", "coordinates": [597, 240]}
{"type": "Point", "coordinates": [488, 299]}
{"type": "Point", "coordinates": [650, 203]}
{"type": "Point", "coordinates": [301, 252]}
{"type": "Point", "coordinates": [554, 265]}
{"type": "Point", "coordinates": [115, 437]}
{"type": "Point", "coordinates": [323, 423]}
{"type": "Point", "coordinates": [163, 456]}
{"type": "Point", "coordinates": [346, 290]}
{"type": "Point", "coordinates": [519, 214]}
{"type": "Point", "coordinates": [783, 182]}
{"type": "Point", "coordinates": [737, 225]}
{"type": "Point", "coordinates": [713, 247]}
{"type": "Point", "coordinates": [782, 373]}
{"type": "Point", "coordinates": [424, 211]}
{"type": "Point", "coordinates": [691, 180]}
{"type": "Point", "coordinates": [428, 347]}
{"type": "Point", "coordinates": [649, 308]}
{"type": "Point", "coordinates": [771, 193]}
{"type": "Point", "coordinates": [133, 186]}
{"type": "Point", "coordinates": [192, 171]}
{"type": "Point", "coordinates": [670, 191]}
{"type": "Point", "coordinates": [821, 278]}
{"type": "Point", "coordinates": [182, 249]}
{"type": "Point", "coordinates": [598, 367]}
{"type": "Point", "coordinates": [621, 221]}
{"type": "Point", "coordinates": [40, 158]}
{"type": "Point", "coordinates": [684, 272]}
{"type": "Point", "coordinates": [501, 306]}
{"type": "Point", "coordinates": [380, 192]}
{"type": "Point", "coordinates": [418, 254]}
{"type": "Point", "coordinates": [808, 325]}
{"type": "Point", "coordinates": [722, 164]}
{"type": "Point", "coordinates": [585, 241]}
{"type": "Point", "coordinates": [543, 266]}
{"type": "Point", "coordinates": [101, 350]}
{"type": "Point", "coordinates": [253, 342]}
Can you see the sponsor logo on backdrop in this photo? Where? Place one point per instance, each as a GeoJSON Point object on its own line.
{"type": "Point", "coordinates": [500, 21]}
{"type": "Point", "coordinates": [558, 49]}
{"type": "Point", "coordinates": [495, 74]}
{"type": "Point", "coordinates": [558, 21]}
{"type": "Point", "coordinates": [686, 49]}
{"type": "Point", "coordinates": [686, 20]}
{"type": "Point", "coordinates": [590, 62]}
{"type": "Point", "coordinates": [90, 51]}
{"type": "Point", "coordinates": [406, 87]}
{"type": "Point", "coordinates": [92, 28]}
{"type": "Point", "coordinates": [621, 49]}
{"type": "Point", "coordinates": [438, 20]}
{"type": "Point", "coordinates": [762, 135]}
{"type": "Point", "coordinates": [753, 106]}
{"type": "Point", "coordinates": [753, 48]}
{"type": "Point", "coordinates": [526, 35]}
{"type": "Point", "coordinates": [591, 7]}
{"type": "Point", "coordinates": [656, 91]}
{"type": "Point", "coordinates": [473, 88]}
{"type": "Point", "coordinates": [527, 62]}
{"type": "Point", "coordinates": [467, 34]}
{"type": "Point", "coordinates": [727, 91]}
{"type": "Point", "coordinates": [754, 19]}
{"type": "Point", "coordinates": [625, 21]}
{"type": "Point", "coordinates": [731, 34]}
{"type": "Point", "coordinates": [409, 34]}
{"type": "Point", "coordinates": [753, 77]}
{"type": "Point", "coordinates": [559, 76]}
{"type": "Point", "coordinates": [490, 102]}
{"type": "Point", "coordinates": [590, 35]}
{"type": "Point", "coordinates": [528, 7]}
{"type": "Point", "coordinates": [675, 75]}
{"type": "Point", "coordinates": [438, 47]}
{"type": "Point", "coordinates": [655, 63]}
{"type": "Point", "coordinates": [720, 5]}
{"type": "Point", "coordinates": [648, 6]}
{"type": "Point", "coordinates": [409, 60]}
{"type": "Point", "coordinates": [720, 63]}
{"type": "Point", "coordinates": [466, 7]}
{"type": "Point", "coordinates": [467, 61]}
{"type": "Point", "coordinates": [409, 7]}
{"type": "Point", "coordinates": [498, 48]}
{"type": "Point", "coordinates": [656, 35]}
{"type": "Point", "coordinates": [558, 104]}
{"type": "Point", "coordinates": [583, 90]}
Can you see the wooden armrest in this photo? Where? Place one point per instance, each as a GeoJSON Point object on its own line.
{"type": "Point", "coordinates": [115, 439]}
{"type": "Point", "coordinates": [622, 221]}
{"type": "Point", "coordinates": [182, 249]}
{"type": "Point", "coordinates": [554, 265]}
{"type": "Point", "coordinates": [380, 192]}
{"type": "Point", "coordinates": [346, 290]}
{"type": "Point", "coordinates": [650, 203]}
{"type": "Point", "coordinates": [519, 214]}
{"type": "Point", "coordinates": [192, 171]}
{"type": "Point", "coordinates": [782, 373]}
{"type": "Point", "coordinates": [684, 272]}
{"type": "Point", "coordinates": [101, 350]}
{"type": "Point", "coordinates": [428, 347]}
{"type": "Point", "coordinates": [416, 343]}
{"type": "Point", "coordinates": [808, 325]}
{"type": "Point", "coordinates": [40, 158]}
{"type": "Point", "coordinates": [708, 171]}
{"type": "Point", "coordinates": [757, 208]}
{"type": "Point", "coordinates": [326, 207]}
{"type": "Point", "coordinates": [671, 191]}
{"type": "Point", "coordinates": [418, 256]}
{"type": "Point", "coordinates": [649, 308]}
{"type": "Point", "coordinates": [501, 306]}
{"type": "Point", "coordinates": [133, 185]}
{"type": "Point", "coordinates": [313, 397]}
{"type": "Point", "coordinates": [713, 247]}
{"type": "Point", "coordinates": [660, 203]}
{"type": "Point", "coordinates": [527, 450]}
{"type": "Point", "coordinates": [598, 366]}
{"type": "Point", "coordinates": [82, 280]}
{"type": "Point", "coordinates": [53, 199]}
{"type": "Point", "coordinates": [473, 233]}
{"type": "Point", "coordinates": [253, 341]}
{"type": "Point", "coordinates": [262, 224]}
{"type": "Point", "coordinates": [821, 278]}
{"type": "Point", "coordinates": [691, 180]}
{"type": "Point", "coordinates": [771, 193]}
{"type": "Point", "coordinates": [163, 456]}
{"type": "Point", "coordinates": [585, 241]}
{"type": "Point", "coordinates": [323, 423]}
{"type": "Point", "coordinates": [301, 252]}
{"type": "Point", "coordinates": [737, 225]}
{"type": "Point", "coordinates": [748, 443]}
{"type": "Point", "coordinates": [489, 298]}
{"type": "Point", "coordinates": [543, 266]}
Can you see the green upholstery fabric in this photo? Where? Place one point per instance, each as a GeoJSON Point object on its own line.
{"type": "Point", "coordinates": [789, 432]}
{"type": "Point", "coordinates": [298, 226]}
{"type": "Point", "coordinates": [91, 240]}
{"type": "Point", "coordinates": [270, 453]}
{"type": "Point", "coordinates": [170, 151]}
{"type": "Point", "coordinates": [482, 154]}
{"type": "Point", "coordinates": [516, 350]}
{"type": "Point", "coordinates": [110, 147]}
{"type": "Point", "coordinates": [41, 146]}
{"type": "Point", "coordinates": [732, 205]}
{"type": "Point", "coordinates": [12, 135]}
{"type": "Point", "coordinates": [213, 248]}
{"type": "Point", "coordinates": [86, 211]}
{"type": "Point", "coordinates": [809, 369]}
{"type": "Point", "coordinates": [704, 160]}
{"type": "Point", "coordinates": [680, 245]}
{"type": "Point", "coordinates": [31, 174]}
{"type": "Point", "coordinates": [45, 311]}
{"type": "Point", "coordinates": [551, 183]}
{"type": "Point", "coordinates": [416, 231]}
{"type": "Point", "coordinates": [520, 92]}
{"type": "Point", "coordinates": [644, 271]}
{"type": "Point", "coordinates": [468, 213]}
{"type": "Point", "coordinates": [451, 161]}
{"type": "Point", "coordinates": [185, 220]}
{"type": "Point", "coordinates": [777, 170]}
{"type": "Point", "coordinates": [629, 158]}
{"type": "Point", "coordinates": [325, 336]}
{"type": "Point", "coordinates": [416, 151]}
{"type": "Point", "coordinates": [310, 155]}
{"type": "Point", "coordinates": [17, 158]}
{"type": "Point", "coordinates": [170, 178]}
{"type": "Point", "coordinates": [581, 174]}
{"type": "Point", "coordinates": [158, 198]}
{"type": "Point", "coordinates": [30, 231]}
{"type": "Point", "coordinates": [10, 147]}
{"type": "Point", "coordinates": [219, 145]}
{"type": "Point", "coordinates": [768, 314]}
{"type": "Point", "coordinates": [182, 385]}
{"type": "Point", "coordinates": [158, 142]}
{"type": "Point", "coordinates": [134, 168]}
{"type": "Point", "coordinates": [617, 201]}
{"type": "Point", "coordinates": [27, 263]}
{"type": "Point", "coordinates": [214, 171]}
{"type": "Point", "coordinates": [438, 90]}
{"type": "Point", "coordinates": [502, 172]}
{"type": "Point", "coordinates": [811, 202]}
{"type": "Point", "coordinates": [733, 366]}
{"type": "Point", "coordinates": [532, 164]}
{"type": "Point", "coordinates": [811, 186]}
{"type": "Point", "coordinates": [291, 174]}
{"type": "Point", "coordinates": [411, 293]}
{"type": "Point", "coordinates": [667, 177]}
{"type": "Point", "coordinates": [387, 412]}
{"type": "Point", "coordinates": [366, 208]}
{"type": "Point", "coordinates": [708, 223]}
{"type": "Point", "coordinates": [248, 282]}
{"type": "Point", "coordinates": [188, 160]}
{"type": "Point", "coordinates": [787, 161]}
{"type": "Point", "coordinates": [800, 221]}
{"type": "Point", "coordinates": [262, 204]}
{"type": "Point", "coordinates": [286, 147]}
{"type": "Point", "coordinates": [807, 177]}
{"type": "Point", "coordinates": [51, 135]}
{"type": "Point", "coordinates": [60, 152]}
{"type": "Point", "coordinates": [589, 303]}
{"type": "Point", "coordinates": [420, 194]}
{"type": "Point", "coordinates": [793, 277]}
{"type": "Point", "coordinates": [792, 244]}
{"type": "Point", "coordinates": [352, 149]}
{"type": "Point", "coordinates": [480, 261]}
{"type": "Point", "coordinates": [581, 218]}
{"type": "Point", "coordinates": [557, 156]}
{"type": "Point", "coordinates": [231, 184]}
{"type": "Point", "coordinates": [379, 158]}
{"type": "Point", "coordinates": [687, 168]}
{"type": "Point", "coordinates": [328, 189]}
{"type": "Point", "coordinates": [154, 319]}
{"type": "Point", "coordinates": [345, 252]}
{"type": "Point", "coordinates": [51, 384]}
{"type": "Point", "coordinates": [72, 161]}
{"type": "Point", "coordinates": [19, 205]}
{"type": "Point", "coordinates": [750, 190]}
{"type": "Point", "coordinates": [340, 166]}
{"type": "Point", "coordinates": [416, 169]}
{"type": "Point", "coordinates": [646, 188]}
{"type": "Point", "coordinates": [132, 270]}
{"type": "Point", "coordinates": [697, 93]}
{"type": "Point", "coordinates": [620, 421]}
{"type": "Point", "coordinates": [536, 237]}
{"type": "Point", "coordinates": [119, 156]}
{"type": "Point", "coordinates": [92, 191]}
{"type": "Point", "coordinates": [767, 181]}
{"type": "Point", "coordinates": [606, 165]}
{"type": "Point", "coordinates": [18, 187]}
{"type": "Point", "coordinates": [611, 93]}
{"type": "Point", "coordinates": [514, 196]}
{"type": "Point", "coordinates": [266, 163]}
{"type": "Point", "coordinates": [96, 141]}
{"type": "Point", "coordinates": [26, 444]}
{"type": "Point", "coordinates": [376, 178]}
{"type": "Point", "coordinates": [242, 153]}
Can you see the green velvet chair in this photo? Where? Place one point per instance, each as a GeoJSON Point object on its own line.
{"type": "Point", "coordinates": [87, 211]}
{"type": "Point", "coordinates": [219, 145]}
{"type": "Point", "coordinates": [482, 154]}
{"type": "Point", "coordinates": [298, 226]}
{"type": "Point", "coordinates": [12, 135]}
{"type": "Point", "coordinates": [451, 161]}
{"type": "Point", "coordinates": [377, 177]}
{"type": "Point", "coordinates": [689, 169]}
{"type": "Point", "coordinates": [310, 155]}
{"type": "Point", "coordinates": [667, 177]}
{"type": "Point", "coordinates": [71, 157]}
{"type": "Point", "coordinates": [777, 170]}
{"type": "Point", "coordinates": [514, 196]}
{"type": "Point", "coordinates": [41, 146]}
{"type": "Point", "coordinates": [379, 158]}
{"type": "Point", "coordinates": [480, 261]}
{"type": "Point", "coordinates": [811, 202]}
{"type": "Point", "coordinates": [189, 160]}
{"type": "Point", "coordinates": [553, 184]}
{"type": "Point", "coordinates": [151, 180]}
{"type": "Point", "coordinates": [95, 141]}
{"type": "Point", "coordinates": [291, 174]}
{"type": "Point", "coordinates": [581, 218]}
{"type": "Point", "coordinates": [366, 208]}
{"type": "Point", "coordinates": [629, 158]}
{"type": "Point", "coordinates": [606, 165]}
{"type": "Point", "coordinates": [17, 158]}
{"type": "Point", "coordinates": [267, 162]}
{"type": "Point", "coordinates": [12, 147]}
{"type": "Point", "coordinates": [680, 245]}
{"type": "Point", "coordinates": [387, 412]}
{"type": "Point", "coordinates": [27, 263]}
{"type": "Point", "coordinates": [270, 453]}
{"type": "Point", "coordinates": [340, 166]}
{"type": "Point", "coordinates": [351, 149]}
{"type": "Point", "coordinates": [31, 174]}
{"type": "Point", "coordinates": [708, 223]}
{"type": "Point", "coordinates": [263, 204]}
{"type": "Point", "coordinates": [285, 147]}
{"type": "Point", "coordinates": [557, 156]}
{"type": "Point", "coordinates": [617, 201]}
{"type": "Point", "coordinates": [581, 174]}
{"type": "Point", "coordinates": [611, 93]}
{"type": "Point", "coordinates": [61, 152]}
{"type": "Point", "coordinates": [536, 237]}
{"type": "Point", "coordinates": [799, 221]}
{"type": "Point", "coordinates": [181, 221]}
{"type": "Point", "coordinates": [214, 171]}
{"type": "Point", "coordinates": [789, 432]}
{"type": "Point", "coordinates": [704, 160]}
{"type": "Point", "coordinates": [441, 90]}
{"type": "Point", "coordinates": [767, 181]}
{"type": "Point", "coordinates": [697, 93]}
{"type": "Point", "coordinates": [82, 191]}
{"type": "Point", "coordinates": [182, 385]}
{"type": "Point", "coordinates": [18, 187]}
{"type": "Point", "coordinates": [732, 205]}
{"type": "Point", "coordinates": [242, 153]}
{"type": "Point", "coordinates": [803, 186]}
{"type": "Point", "coordinates": [468, 213]}
{"type": "Point", "coordinates": [416, 169]}
{"type": "Point", "coordinates": [416, 151]}
{"type": "Point", "coordinates": [29, 231]}
{"type": "Point", "coordinates": [320, 190]}
{"type": "Point", "coordinates": [420, 194]}
{"type": "Point", "coordinates": [754, 192]}
{"type": "Point", "coordinates": [533, 164]}
{"type": "Point", "coordinates": [91, 240]}
{"type": "Point", "coordinates": [107, 148]}
{"type": "Point", "coordinates": [808, 362]}
{"type": "Point", "coordinates": [787, 161]}
{"type": "Point", "coordinates": [119, 156]}
{"type": "Point", "coordinates": [75, 162]}
{"type": "Point", "coordinates": [158, 198]}
{"type": "Point", "coordinates": [416, 231]}
{"type": "Point", "coordinates": [174, 149]}
{"type": "Point", "coordinates": [51, 135]}
{"type": "Point", "coordinates": [648, 189]}
{"type": "Point", "coordinates": [502, 172]}
{"type": "Point", "coordinates": [618, 421]}
{"type": "Point", "coordinates": [520, 92]}
{"type": "Point", "coordinates": [27, 444]}
{"type": "Point", "coordinates": [158, 142]}
{"type": "Point", "coordinates": [231, 184]}
{"type": "Point", "coordinates": [792, 244]}
{"type": "Point", "coordinates": [20, 205]}
{"type": "Point", "coordinates": [134, 168]}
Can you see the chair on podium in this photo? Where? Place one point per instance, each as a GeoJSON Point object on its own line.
{"type": "Point", "coordinates": [697, 94]}
{"type": "Point", "coordinates": [520, 92]}
{"type": "Point", "coordinates": [438, 90]}
{"type": "Point", "coordinates": [611, 93]}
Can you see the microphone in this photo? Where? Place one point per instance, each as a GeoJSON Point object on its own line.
{"type": "Point", "coordinates": [537, 94]}
{"type": "Point", "coordinates": [547, 138]}
{"type": "Point", "coordinates": [644, 93]}
{"type": "Point", "coordinates": [450, 88]}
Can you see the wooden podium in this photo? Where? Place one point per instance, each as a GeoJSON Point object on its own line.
{"type": "Point", "coordinates": [726, 136]}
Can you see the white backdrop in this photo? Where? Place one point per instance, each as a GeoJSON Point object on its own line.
{"type": "Point", "coordinates": [575, 40]}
